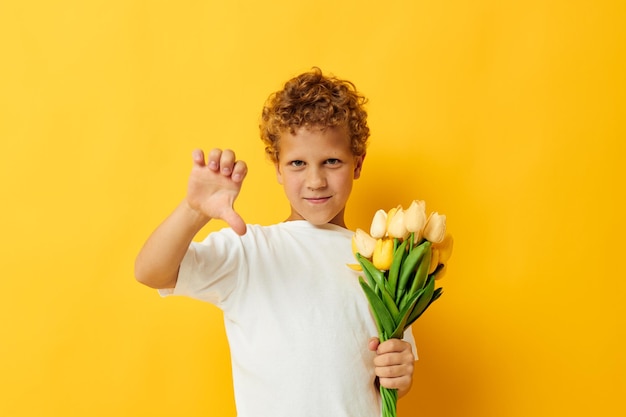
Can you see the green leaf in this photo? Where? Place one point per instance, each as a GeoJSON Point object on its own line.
{"type": "Point", "coordinates": [408, 268]}
{"type": "Point", "coordinates": [379, 278]}
{"type": "Point", "coordinates": [422, 271]}
{"type": "Point", "coordinates": [398, 258]}
{"type": "Point", "coordinates": [390, 303]}
{"type": "Point", "coordinates": [404, 315]}
{"type": "Point", "coordinates": [368, 274]}
{"type": "Point", "coordinates": [424, 301]}
{"type": "Point", "coordinates": [383, 318]}
{"type": "Point", "coordinates": [409, 297]}
{"type": "Point", "coordinates": [370, 270]}
{"type": "Point", "coordinates": [435, 296]}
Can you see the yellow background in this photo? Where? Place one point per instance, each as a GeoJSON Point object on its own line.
{"type": "Point", "coordinates": [506, 116]}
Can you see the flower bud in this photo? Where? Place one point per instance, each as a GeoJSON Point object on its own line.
{"type": "Point", "coordinates": [415, 216]}
{"type": "Point", "coordinates": [395, 224]}
{"type": "Point", "coordinates": [434, 260]}
{"type": "Point", "coordinates": [445, 248]}
{"type": "Point", "coordinates": [363, 244]}
{"type": "Point", "coordinates": [383, 254]}
{"type": "Point", "coordinates": [390, 214]}
{"type": "Point", "coordinates": [441, 273]}
{"type": "Point", "coordinates": [435, 228]}
{"type": "Point", "coordinates": [378, 229]}
{"type": "Point", "coordinates": [355, 267]}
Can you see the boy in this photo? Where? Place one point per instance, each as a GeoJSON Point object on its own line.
{"type": "Point", "coordinates": [298, 323]}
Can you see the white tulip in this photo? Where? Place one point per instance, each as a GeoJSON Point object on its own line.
{"type": "Point", "coordinates": [396, 224]}
{"type": "Point", "coordinates": [378, 229]}
{"type": "Point", "coordinates": [415, 217]}
{"type": "Point", "coordinates": [363, 243]}
{"type": "Point", "coordinates": [435, 228]}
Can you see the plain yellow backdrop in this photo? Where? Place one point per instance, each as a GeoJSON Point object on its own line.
{"type": "Point", "coordinates": [507, 116]}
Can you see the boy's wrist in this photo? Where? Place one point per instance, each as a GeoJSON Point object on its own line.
{"type": "Point", "coordinates": [196, 218]}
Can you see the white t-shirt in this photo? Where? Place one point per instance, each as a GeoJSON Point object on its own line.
{"type": "Point", "coordinates": [297, 320]}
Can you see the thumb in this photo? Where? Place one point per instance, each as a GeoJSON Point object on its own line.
{"type": "Point", "coordinates": [373, 344]}
{"type": "Point", "coordinates": [235, 221]}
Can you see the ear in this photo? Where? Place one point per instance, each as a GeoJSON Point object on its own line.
{"type": "Point", "coordinates": [279, 175]}
{"type": "Point", "coordinates": [358, 166]}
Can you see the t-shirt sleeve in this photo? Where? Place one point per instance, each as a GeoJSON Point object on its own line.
{"type": "Point", "coordinates": [408, 336]}
{"type": "Point", "coordinates": [210, 269]}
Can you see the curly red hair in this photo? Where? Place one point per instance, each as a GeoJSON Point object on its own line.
{"type": "Point", "coordinates": [314, 99]}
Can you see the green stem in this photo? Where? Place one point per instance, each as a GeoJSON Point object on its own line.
{"type": "Point", "coordinates": [390, 400]}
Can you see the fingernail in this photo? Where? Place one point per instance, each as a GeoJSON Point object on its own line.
{"type": "Point", "coordinates": [212, 164]}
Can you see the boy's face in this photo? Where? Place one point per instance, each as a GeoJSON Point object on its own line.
{"type": "Point", "coordinates": [316, 168]}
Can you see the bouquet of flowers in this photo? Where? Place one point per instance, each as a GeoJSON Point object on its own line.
{"type": "Point", "coordinates": [401, 258]}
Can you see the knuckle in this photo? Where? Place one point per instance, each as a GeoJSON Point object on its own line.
{"type": "Point", "coordinates": [384, 372]}
{"type": "Point", "coordinates": [408, 369]}
{"type": "Point", "coordinates": [383, 360]}
{"type": "Point", "coordinates": [393, 383]}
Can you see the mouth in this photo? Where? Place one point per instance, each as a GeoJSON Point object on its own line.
{"type": "Point", "coordinates": [317, 200]}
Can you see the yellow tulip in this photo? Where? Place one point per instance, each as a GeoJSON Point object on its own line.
{"type": "Point", "coordinates": [445, 248]}
{"type": "Point", "coordinates": [378, 229]}
{"type": "Point", "coordinates": [390, 214]}
{"type": "Point", "coordinates": [415, 217]}
{"type": "Point", "coordinates": [363, 244]}
{"type": "Point", "coordinates": [434, 260]}
{"type": "Point", "coordinates": [383, 254]}
{"type": "Point", "coordinates": [395, 224]}
{"type": "Point", "coordinates": [441, 272]}
{"type": "Point", "coordinates": [355, 267]}
{"type": "Point", "coordinates": [435, 228]}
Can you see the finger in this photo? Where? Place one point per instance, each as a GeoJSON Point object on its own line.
{"type": "Point", "coordinates": [240, 170]}
{"type": "Point", "coordinates": [235, 221]}
{"type": "Point", "coordinates": [198, 157]}
{"type": "Point", "coordinates": [393, 345]}
{"type": "Point", "coordinates": [373, 344]}
{"type": "Point", "coordinates": [396, 383]}
{"type": "Point", "coordinates": [227, 162]}
{"type": "Point", "coordinates": [214, 159]}
{"type": "Point", "coordinates": [393, 359]}
{"type": "Point", "coordinates": [395, 371]}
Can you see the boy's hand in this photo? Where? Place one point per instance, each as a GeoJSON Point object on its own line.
{"type": "Point", "coordinates": [215, 184]}
{"type": "Point", "coordinates": [393, 364]}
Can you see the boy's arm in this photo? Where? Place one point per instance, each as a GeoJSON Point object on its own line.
{"type": "Point", "coordinates": [158, 261]}
{"type": "Point", "coordinates": [212, 190]}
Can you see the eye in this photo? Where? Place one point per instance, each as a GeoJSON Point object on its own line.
{"type": "Point", "coordinates": [296, 164]}
{"type": "Point", "coordinates": [333, 161]}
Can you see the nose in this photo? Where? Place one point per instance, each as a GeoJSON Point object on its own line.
{"type": "Point", "coordinates": [316, 180]}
